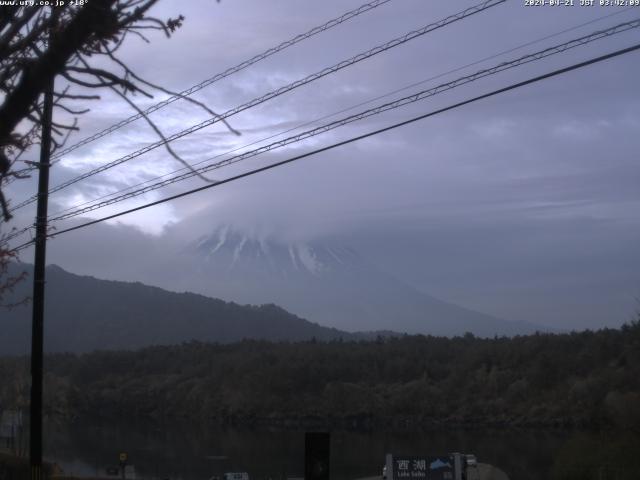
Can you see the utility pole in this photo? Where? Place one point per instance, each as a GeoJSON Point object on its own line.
{"type": "Point", "coordinates": [37, 332]}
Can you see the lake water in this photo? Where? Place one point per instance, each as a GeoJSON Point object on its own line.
{"type": "Point", "coordinates": [192, 451]}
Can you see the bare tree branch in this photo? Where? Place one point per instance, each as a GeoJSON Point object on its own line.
{"type": "Point", "coordinates": [38, 44]}
{"type": "Point", "coordinates": [155, 128]}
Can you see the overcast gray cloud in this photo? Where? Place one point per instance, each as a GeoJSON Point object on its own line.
{"type": "Point", "coordinates": [523, 205]}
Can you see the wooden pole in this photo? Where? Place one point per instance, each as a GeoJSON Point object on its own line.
{"type": "Point", "coordinates": [37, 332]}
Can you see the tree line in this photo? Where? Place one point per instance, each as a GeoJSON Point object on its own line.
{"type": "Point", "coordinates": [588, 379]}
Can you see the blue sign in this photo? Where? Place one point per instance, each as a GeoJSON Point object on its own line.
{"type": "Point", "coordinates": [422, 468]}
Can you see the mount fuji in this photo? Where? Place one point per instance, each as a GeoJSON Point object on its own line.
{"type": "Point", "coordinates": [325, 283]}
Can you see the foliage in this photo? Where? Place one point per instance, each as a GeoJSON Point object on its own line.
{"type": "Point", "coordinates": [9, 282]}
{"type": "Point", "coordinates": [576, 379]}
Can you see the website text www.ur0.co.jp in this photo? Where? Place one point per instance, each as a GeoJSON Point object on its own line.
{"type": "Point", "coordinates": [42, 3]}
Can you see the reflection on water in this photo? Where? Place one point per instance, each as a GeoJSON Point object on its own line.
{"type": "Point", "coordinates": [196, 451]}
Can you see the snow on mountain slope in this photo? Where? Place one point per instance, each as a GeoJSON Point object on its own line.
{"type": "Point", "coordinates": [328, 284]}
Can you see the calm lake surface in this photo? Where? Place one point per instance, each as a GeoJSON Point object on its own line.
{"type": "Point", "coordinates": [191, 451]}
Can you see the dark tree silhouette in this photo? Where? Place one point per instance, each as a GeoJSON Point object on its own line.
{"type": "Point", "coordinates": [78, 44]}
{"type": "Point", "coordinates": [7, 281]}
{"type": "Point", "coordinates": [39, 43]}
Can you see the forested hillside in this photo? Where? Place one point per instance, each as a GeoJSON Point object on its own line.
{"type": "Point", "coordinates": [582, 379]}
{"type": "Point", "coordinates": [85, 314]}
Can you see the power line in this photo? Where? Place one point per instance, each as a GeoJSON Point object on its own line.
{"type": "Point", "coordinates": [15, 234]}
{"type": "Point", "coordinates": [324, 117]}
{"type": "Point", "coordinates": [353, 139]}
{"type": "Point", "coordinates": [230, 71]}
{"type": "Point", "coordinates": [342, 19]}
{"type": "Point", "coordinates": [280, 91]}
{"type": "Point", "coordinates": [219, 76]}
{"type": "Point", "coordinates": [365, 114]}
{"type": "Point", "coordinates": [61, 214]}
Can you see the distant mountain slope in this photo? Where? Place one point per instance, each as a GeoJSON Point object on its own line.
{"type": "Point", "coordinates": [84, 314]}
{"type": "Point", "coordinates": [328, 284]}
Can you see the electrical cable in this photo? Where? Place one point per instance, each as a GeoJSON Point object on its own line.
{"type": "Point", "coordinates": [59, 215]}
{"type": "Point", "coordinates": [280, 91]}
{"type": "Point", "coordinates": [219, 76]}
{"type": "Point", "coordinates": [353, 139]}
{"type": "Point", "coordinates": [230, 71]}
{"type": "Point", "coordinates": [324, 117]}
{"type": "Point", "coordinates": [365, 114]}
{"type": "Point", "coordinates": [326, 26]}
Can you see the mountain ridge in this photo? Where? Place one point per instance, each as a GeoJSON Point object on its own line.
{"type": "Point", "coordinates": [132, 315]}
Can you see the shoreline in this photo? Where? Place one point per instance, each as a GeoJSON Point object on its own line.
{"type": "Point", "coordinates": [351, 423]}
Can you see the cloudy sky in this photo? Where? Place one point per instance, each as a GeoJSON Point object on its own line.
{"type": "Point", "coordinates": [524, 205]}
